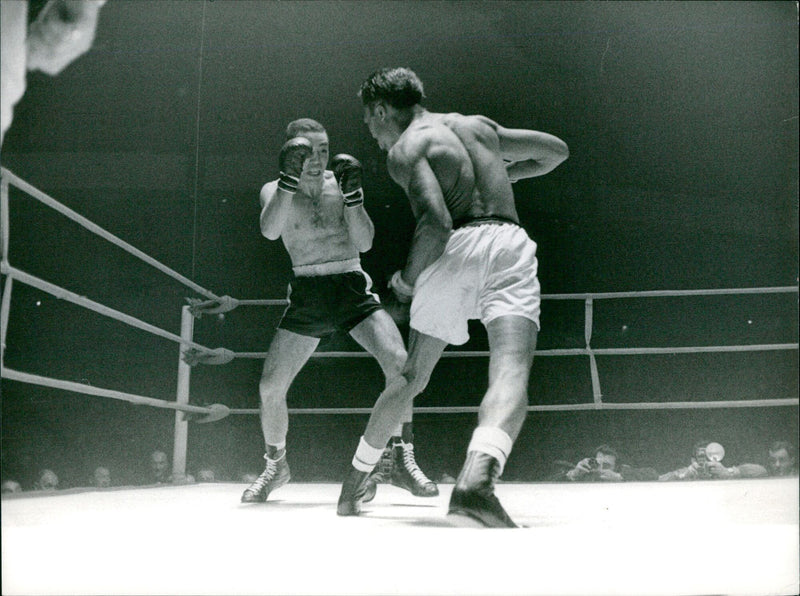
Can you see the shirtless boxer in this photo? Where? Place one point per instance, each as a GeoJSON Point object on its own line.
{"type": "Point", "coordinates": [469, 259]}
{"type": "Point", "coordinates": [320, 216]}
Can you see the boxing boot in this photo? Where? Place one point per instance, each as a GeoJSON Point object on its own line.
{"type": "Point", "coordinates": [382, 472]}
{"type": "Point", "coordinates": [473, 499]}
{"type": "Point", "coordinates": [352, 493]}
{"type": "Point", "coordinates": [275, 474]}
{"type": "Point", "coordinates": [405, 471]}
{"type": "Point", "coordinates": [407, 474]}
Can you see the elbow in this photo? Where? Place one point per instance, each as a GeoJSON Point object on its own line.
{"type": "Point", "coordinates": [364, 244]}
{"type": "Point", "coordinates": [561, 153]}
{"type": "Point", "coordinates": [270, 233]}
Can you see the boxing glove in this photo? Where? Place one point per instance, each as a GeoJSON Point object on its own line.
{"type": "Point", "coordinates": [293, 155]}
{"type": "Point", "coordinates": [347, 170]}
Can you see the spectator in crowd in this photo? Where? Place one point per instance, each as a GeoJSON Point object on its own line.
{"type": "Point", "coordinates": [11, 486]}
{"type": "Point", "coordinates": [603, 466]}
{"type": "Point", "coordinates": [705, 464]}
{"type": "Point", "coordinates": [206, 475]}
{"type": "Point", "coordinates": [102, 477]}
{"type": "Point", "coordinates": [159, 468]}
{"type": "Point", "coordinates": [782, 461]}
{"type": "Point", "coordinates": [48, 480]}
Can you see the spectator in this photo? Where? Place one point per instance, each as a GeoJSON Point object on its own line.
{"type": "Point", "coordinates": [102, 477]}
{"type": "Point", "coordinates": [11, 486]}
{"type": "Point", "coordinates": [604, 466]}
{"type": "Point", "coordinates": [706, 464]}
{"type": "Point", "coordinates": [782, 461]}
{"type": "Point", "coordinates": [159, 468]}
{"type": "Point", "coordinates": [206, 475]}
{"type": "Point", "coordinates": [48, 480]}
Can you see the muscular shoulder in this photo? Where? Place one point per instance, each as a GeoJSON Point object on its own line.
{"type": "Point", "coordinates": [412, 146]}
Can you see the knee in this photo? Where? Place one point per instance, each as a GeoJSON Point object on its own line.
{"type": "Point", "coordinates": [415, 382]}
{"type": "Point", "coordinates": [269, 390]}
{"type": "Point", "coordinates": [395, 363]}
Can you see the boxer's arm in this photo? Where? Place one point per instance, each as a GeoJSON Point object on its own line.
{"type": "Point", "coordinates": [410, 169]}
{"type": "Point", "coordinates": [531, 152]}
{"type": "Point", "coordinates": [62, 32]}
{"type": "Point", "coordinates": [276, 204]}
{"type": "Point", "coordinates": [360, 227]}
{"type": "Point", "coordinates": [347, 171]}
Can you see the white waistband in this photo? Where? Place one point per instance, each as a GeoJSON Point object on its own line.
{"type": "Point", "coordinates": [329, 268]}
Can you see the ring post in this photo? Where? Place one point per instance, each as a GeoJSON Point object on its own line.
{"type": "Point", "coordinates": [597, 394]}
{"type": "Point", "coordinates": [182, 397]}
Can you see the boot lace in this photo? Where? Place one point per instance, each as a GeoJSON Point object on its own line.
{"type": "Point", "coordinates": [410, 464]}
{"type": "Point", "coordinates": [266, 476]}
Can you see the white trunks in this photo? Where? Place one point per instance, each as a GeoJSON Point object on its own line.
{"type": "Point", "coordinates": [486, 271]}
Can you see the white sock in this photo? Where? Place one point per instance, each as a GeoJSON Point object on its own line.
{"type": "Point", "coordinates": [366, 457]}
{"type": "Point", "coordinates": [492, 441]}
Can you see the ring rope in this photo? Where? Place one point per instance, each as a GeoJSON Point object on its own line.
{"type": "Point", "coordinates": [13, 272]}
{"type": "Point", "coordinates": [93, 227]}
{"type": "Point", "coordinates": [209, 413]}
{"type": "Point", "coordinates": [677, 405]}
{"type": "Point", "coordinates": [61, 293]}
{"type": "Point", "coordinates": [565, 351]}
{"type": "Point", "coordinates": [15, 375]}
{"type": "Point", "coordinates": [669, 293]}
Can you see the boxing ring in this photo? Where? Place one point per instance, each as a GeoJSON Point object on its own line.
{"type": "Point", "coordinates": [732, 537]}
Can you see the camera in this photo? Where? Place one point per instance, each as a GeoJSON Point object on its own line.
{"type": "Point", "coordinates": [593, 465]}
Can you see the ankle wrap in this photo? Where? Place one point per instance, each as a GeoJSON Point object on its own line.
{"type": "Point", "coordinates": [492, 441]}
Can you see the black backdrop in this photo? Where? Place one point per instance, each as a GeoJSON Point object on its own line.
{"type": "Point", "coordinates": [682, 124]}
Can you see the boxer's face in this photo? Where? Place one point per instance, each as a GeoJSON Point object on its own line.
{"type": "Point", "coordinates": [375, 117]}
{"type": "Point", "coordinates": [315, 165]}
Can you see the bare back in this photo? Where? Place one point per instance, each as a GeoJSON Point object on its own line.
{"type": "Point", "coordinates": [464, 154]}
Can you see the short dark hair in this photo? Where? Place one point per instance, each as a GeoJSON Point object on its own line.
{"type": "Point", "coordinates": [301, 125]}
{"type": "Point", "coordinates": [778, 445]}
{"type": "Point", "coordinates": [607, 449]}
{"type": "Point", "coordinates": [399, 87]}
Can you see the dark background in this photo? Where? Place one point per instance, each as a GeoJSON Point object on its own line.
{"type": "Point", "coordinates": [681, 118]}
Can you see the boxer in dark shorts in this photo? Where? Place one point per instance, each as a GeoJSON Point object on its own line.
{"type": "Point", "coordinates": [322, 305]}
{"type": "Point", "coordinates": [320, 217]}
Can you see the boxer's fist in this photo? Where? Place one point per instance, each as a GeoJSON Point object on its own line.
{"type": "Point", "coordinates": [294, 154]}
{"type": "Point", "coordinates": [403, 291]}
{"type": "Point", "coordinates": [347, 170]}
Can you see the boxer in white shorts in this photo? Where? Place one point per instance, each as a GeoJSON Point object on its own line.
{"type": "Point", "coordinates": [488, 270]}
{"type": "Point", "coordinates": [469, 258]}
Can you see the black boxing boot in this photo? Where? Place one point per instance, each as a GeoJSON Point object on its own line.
{"type": "Point", "coordinates": [405, 471]}
{"type": "Point", "coordinates": [275, 475]}
{"type": "Point", "coordinates": [473, 500]}
{"type": "Point", "coordinates": [352, 493]}
{"type": "Point", "coordinates": [382, 472]}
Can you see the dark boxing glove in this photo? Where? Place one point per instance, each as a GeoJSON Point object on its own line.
{"type": "Point", "coordinates": [347, 170]}
{"type": "Point", "coordinates": [293, 155]}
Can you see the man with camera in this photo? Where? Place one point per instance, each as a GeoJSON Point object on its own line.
{"type": "Point", "coordinates": [601, 467]}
